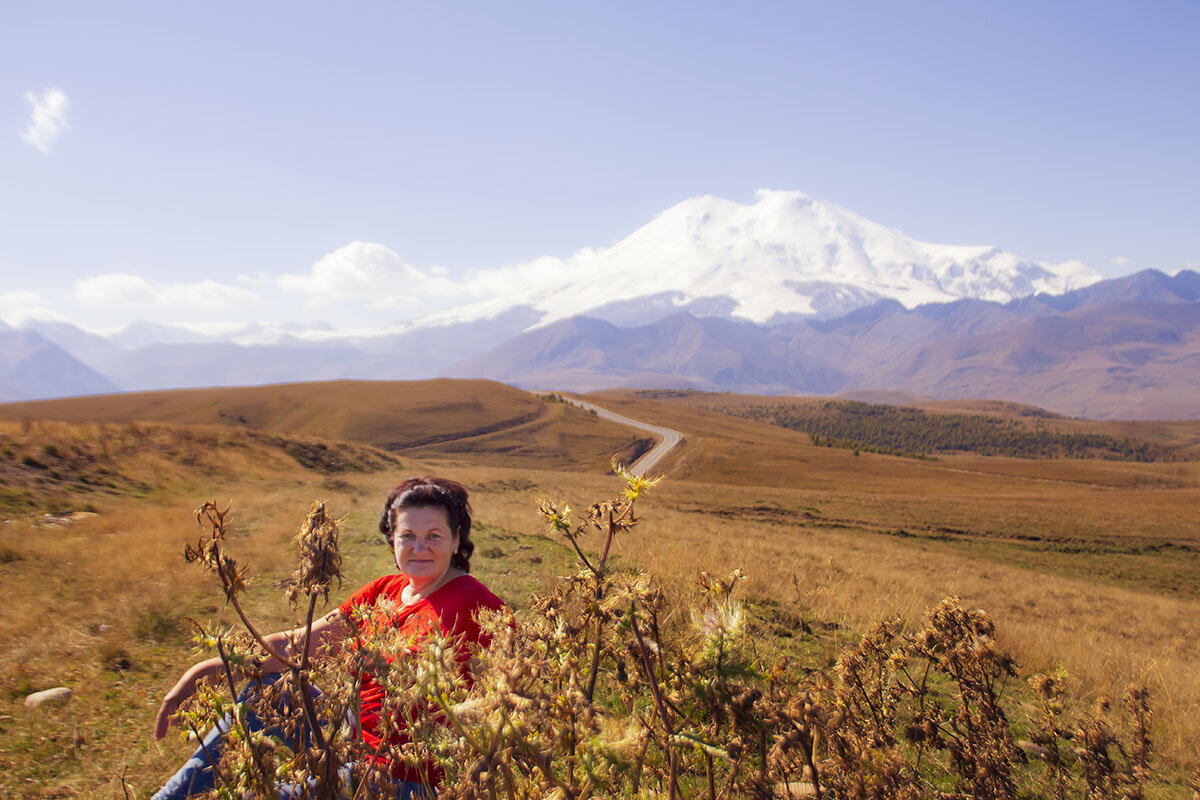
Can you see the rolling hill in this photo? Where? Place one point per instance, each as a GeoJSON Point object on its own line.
{"type": "Point", "coordinates": [1086, 564]}
{"type": "Point", "coordinates": [492, 421]}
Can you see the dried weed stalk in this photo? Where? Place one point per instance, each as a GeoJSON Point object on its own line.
{"type": "Point", "coordinates": [602, 691]}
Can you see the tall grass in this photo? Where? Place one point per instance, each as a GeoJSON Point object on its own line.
{"type": "Point", "coordinates": [602, 690]}
{"type": "Point", "coordinates": [80, 593]}
{"type": "Point", "coordinates": [1105, 635]}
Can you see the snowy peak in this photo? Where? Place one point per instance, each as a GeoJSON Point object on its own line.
{"type": "Point", "coordinates": [786, 254]}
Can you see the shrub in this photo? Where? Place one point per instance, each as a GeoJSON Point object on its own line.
{"type": "Point", "coordinates": [605, 690]}
{"type": "Point", "coordinates": [114, 656]}
{"type": "Point", "coordinates": [158, 623]}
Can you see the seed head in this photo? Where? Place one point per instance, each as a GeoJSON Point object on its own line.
{"type": "Point", "coordinates": [320, 558]}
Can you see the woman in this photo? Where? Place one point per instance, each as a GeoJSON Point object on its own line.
{"type": "Point", "coordinates": [427, 522]}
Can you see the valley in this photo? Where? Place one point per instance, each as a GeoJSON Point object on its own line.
{"type": "Point", "coordinates": [1086, 564]}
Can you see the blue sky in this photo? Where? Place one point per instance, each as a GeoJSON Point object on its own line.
{"type": "Point", "coordinates": [210, 148]}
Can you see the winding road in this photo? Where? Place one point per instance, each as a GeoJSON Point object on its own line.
{"type": "Point", "coordinates": [670, 437]}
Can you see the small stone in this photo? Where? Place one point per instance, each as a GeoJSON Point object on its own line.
{"type": "Point", "coordinates": [798, 789]}
{"type": "Point", "coordinates": [57, 696]}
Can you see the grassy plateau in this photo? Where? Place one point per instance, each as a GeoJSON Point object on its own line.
{"type": "Point", "coordinates": [1085, 564]}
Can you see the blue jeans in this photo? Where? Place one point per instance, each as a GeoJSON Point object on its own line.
{"type": "Point", "coordinates": [197, 775]}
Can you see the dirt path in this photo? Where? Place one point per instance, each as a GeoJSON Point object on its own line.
{"type": "Point", "coordinates": [670, 437]}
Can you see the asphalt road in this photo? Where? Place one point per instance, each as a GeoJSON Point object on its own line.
{"type": "Point", "coordinates": [670, 437]}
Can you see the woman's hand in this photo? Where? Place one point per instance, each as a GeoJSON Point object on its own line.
{"type": "Point", "coordinates": [182, 690]}
{"type": "Point", "coordinates": [328, 630]}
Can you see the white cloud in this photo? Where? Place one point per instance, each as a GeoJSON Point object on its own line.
{"type": "Point", "coordinates": [527, 278]}
{"type": "Point", "coordinates": [371, 273]}
{"type": "Point", "coordinates": [1120, 261]}
{"type": "Point", "coordinates": [48, 120]}
{"type": "Point", "coordinates": [256, 280]}
{"type": "Point", "coordinates": [18, 306]}
{"type": "Point", "coordinates": [123, 289]}
{"type": "Point", "coordinates": [19, 298]}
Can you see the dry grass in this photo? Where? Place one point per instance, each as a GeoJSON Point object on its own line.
{"type": "Point", "coordinates": [392, 415]}
{"type": "Point", "coordinates": [564, 436]}
{"type": "Point", "coordinates": [1105, 634]}
{"type": "Point", "coordinates": [385, 414]}
{"type": "Point", "coordinates": [98, 605]}
{"type": "Point", "coordinates": [473, 421]}
{"type": "Point", "coordinates": [1088, 565]}
{"type": "Point", "coordinates": [1091, 565]}
{"type": "Point", "coordinates": [1184, 434]}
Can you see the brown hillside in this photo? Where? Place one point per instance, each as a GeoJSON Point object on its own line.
{"type": "Point", "coordinates": [1088, 501]}
{"type": "Point", "coordinates": [492, 422]}
{"type": "Point", "coordinates": [1089, 565]}
{"type": "Point", "coordinates": [1183, 434]}
{"type": "Point", "coordinates": [389, 414]}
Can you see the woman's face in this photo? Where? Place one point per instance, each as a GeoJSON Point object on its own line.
{"type": "Point", "coordinates": [423, 543]}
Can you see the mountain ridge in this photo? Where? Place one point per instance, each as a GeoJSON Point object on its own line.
{"type": "Point", "coordinates": [786, 294]}
{"type": "Point", "coordinates": [1129, 349]}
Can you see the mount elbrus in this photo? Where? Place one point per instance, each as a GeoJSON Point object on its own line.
{"type": "Point", "coordinates": [784, 295]}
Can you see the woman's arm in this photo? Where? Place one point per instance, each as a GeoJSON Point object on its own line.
{"type": "Point", "coordinates": [327, 630]}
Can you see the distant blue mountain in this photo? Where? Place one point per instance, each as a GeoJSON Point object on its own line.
{"type": "Point", "coordinates": [1127, 347]}
{"type": "Point", "coordinates": [34, 367]}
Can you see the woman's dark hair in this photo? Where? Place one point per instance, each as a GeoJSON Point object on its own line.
{"type": "Point", "coordinates": [427, 491]}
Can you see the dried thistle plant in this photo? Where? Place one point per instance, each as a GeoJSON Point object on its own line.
{"type": "Point", "coordinates": [601, 689]}
{"type": "Point", "coordinates": [320, 561]}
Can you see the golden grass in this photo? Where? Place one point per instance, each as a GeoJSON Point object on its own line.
{"type": "Point", "coordinates": [564, 436]}
{"type": "Point", "coordinates": [1088, 565]}
{"type": "Point", "coordinates": [1106, 635]}
{"type": "Point", "coordinates": [97, 605]}
{"type": "Point", "coordinates": [387, 414]}
{"type": "Point", "coordinates": [476, 421]}
{"type": "Point", "coordinates": [1183, 434]}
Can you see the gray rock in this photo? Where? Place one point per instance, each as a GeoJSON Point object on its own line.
{"type": "Point", "coordinates": [59, 695]}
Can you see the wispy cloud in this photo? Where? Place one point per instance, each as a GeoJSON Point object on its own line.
{"type": "Point", "coordinates": [371, 273]}
{"type": "Point", "coordinates": [1120, 261]}
{"type": "Point", "coordinates": [19, 298]}
{"type": "Point", "coordinates": [48, 120]}
{"type": "Point", "coordinates": [253, 281]}
{"type": "Point", "coordinates": [124, 289]}
{"type": "Point", "coordinates": [19, 305]}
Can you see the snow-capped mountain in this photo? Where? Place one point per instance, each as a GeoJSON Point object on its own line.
{"type": "Point", "coordinates": [787, 294]}
{"type": "Point", "coordinates": [785, 255]}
